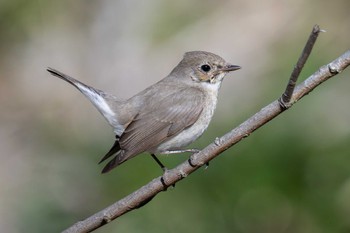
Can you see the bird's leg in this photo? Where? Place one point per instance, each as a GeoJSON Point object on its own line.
{"type": "Point", "coordinates": [164, 168]}
{"type": "Point", "coordinates": [159, 163]}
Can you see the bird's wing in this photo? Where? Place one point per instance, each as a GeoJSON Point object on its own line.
{"type": "Point", "coordinates": [161, 119]}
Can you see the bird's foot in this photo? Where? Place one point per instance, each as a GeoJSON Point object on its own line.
{"type": "Point", "coordinates": [193, 151]}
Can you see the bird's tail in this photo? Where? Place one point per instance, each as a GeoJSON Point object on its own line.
{"type": "Point", "coordinates": [98, 98]}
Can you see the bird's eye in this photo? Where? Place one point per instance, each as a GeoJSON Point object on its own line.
{"type": "Point", "coordinates": [205, 68]}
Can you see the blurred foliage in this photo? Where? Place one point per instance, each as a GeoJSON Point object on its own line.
{"type": "Point", "coordinates": [16, 17]}
{"type": "Point", "coordinates": [173, 16]}
{"type": "Point", "coordinates": [292, 175]}
{"type": "Point", "coordinates": [19, 19]}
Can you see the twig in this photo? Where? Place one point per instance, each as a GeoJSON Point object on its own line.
{"type": "Point", "coordinates": [144, 194]}
{"type": "Point", "coordinates": [287, 95]}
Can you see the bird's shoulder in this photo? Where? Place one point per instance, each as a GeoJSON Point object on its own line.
{"type": "Point", "coordinates": [172, 90]}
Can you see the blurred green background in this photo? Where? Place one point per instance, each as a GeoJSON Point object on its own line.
{"type": "Point", "coordinates": [292, 175]}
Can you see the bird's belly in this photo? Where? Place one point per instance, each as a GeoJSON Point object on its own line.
{"type": "Point", "coordinates": [193, 132]}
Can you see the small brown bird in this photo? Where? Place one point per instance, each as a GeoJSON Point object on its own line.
{"type": "Point", "coordinates": [165, 117]}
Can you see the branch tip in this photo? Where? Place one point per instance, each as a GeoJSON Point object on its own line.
{"type": "Point", "coordinates": [317, 29]}
{"type": "Point", "coordinates": [287, 95]}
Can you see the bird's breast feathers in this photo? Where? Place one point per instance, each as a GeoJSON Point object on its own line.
{"type": "Point", "coordinates": [187, 136]}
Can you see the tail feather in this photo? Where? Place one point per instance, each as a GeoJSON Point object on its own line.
{"type": "Point", "coordinates": [98, 98]}
{"type": "Point", "coordinates": [71, 80]}
{"type": "Point", "coordinates": [102, 102]}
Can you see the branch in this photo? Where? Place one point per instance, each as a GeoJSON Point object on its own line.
{"type": "Point", "coordinates": [287, 95]}
{"type": "Point", "coordinates": [145, 194]}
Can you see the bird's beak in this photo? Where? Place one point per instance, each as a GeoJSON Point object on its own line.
{"type": "Point", "coordinates": [230, 67]}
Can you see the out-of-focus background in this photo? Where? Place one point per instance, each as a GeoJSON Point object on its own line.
{"type": "Point", "coordinates": [292, 175]}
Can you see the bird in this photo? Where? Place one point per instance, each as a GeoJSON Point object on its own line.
{"type": "Point", "coordinates": [165, 117]}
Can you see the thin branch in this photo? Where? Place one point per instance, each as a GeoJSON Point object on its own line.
{"type": "Point", "coordinates": [287, 95]}
{"type": "Point", "coordinates": [144, 194]}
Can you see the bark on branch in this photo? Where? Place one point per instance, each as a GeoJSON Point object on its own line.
{"type": "Point", "coordinates": [285, 100]}
{"type": "Point", "coordinates": [145, 194]}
